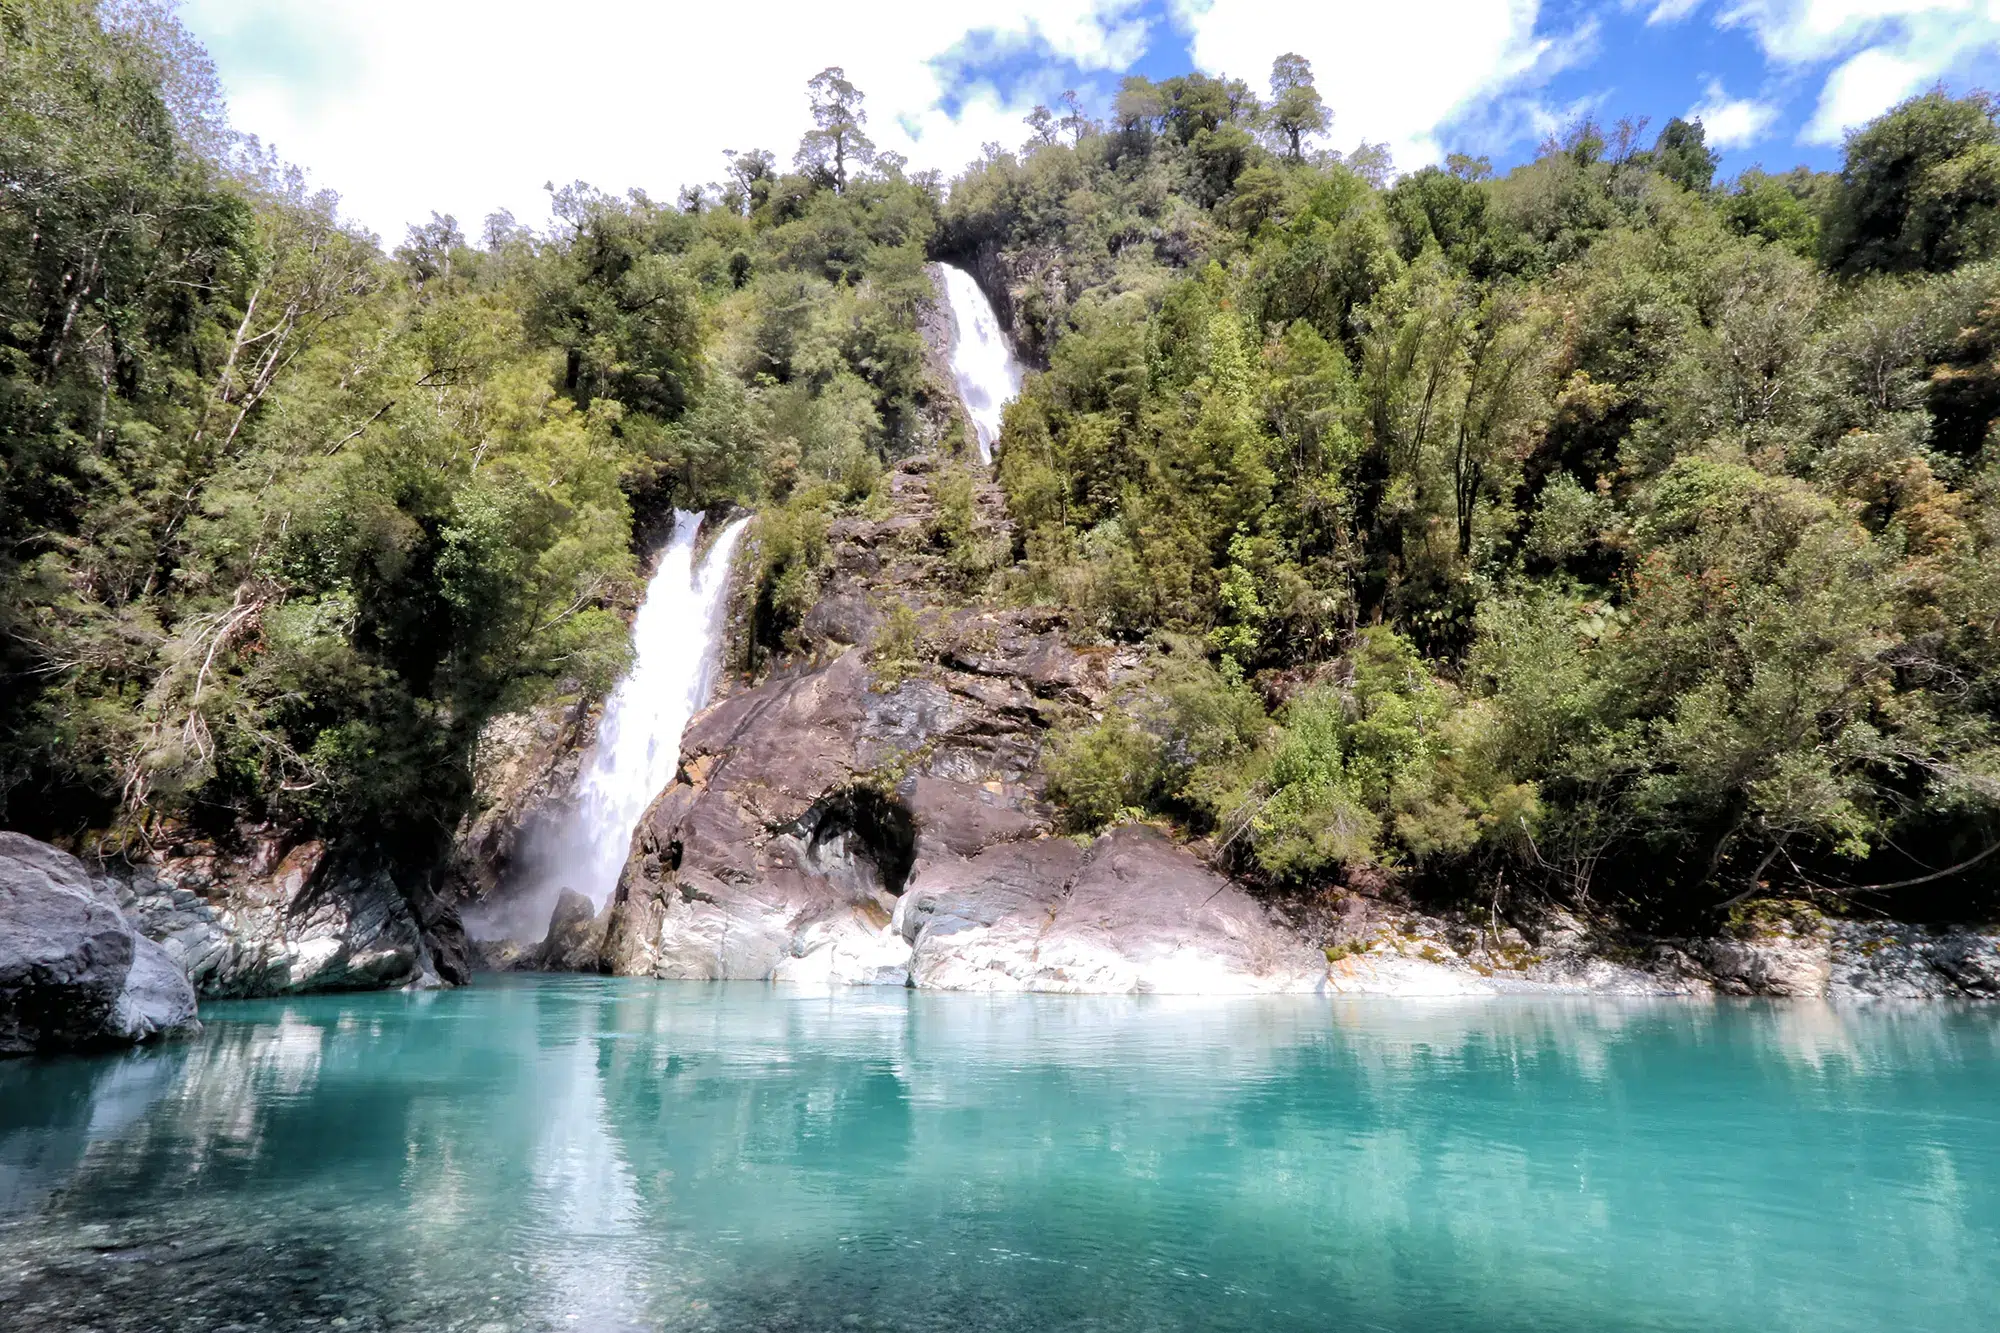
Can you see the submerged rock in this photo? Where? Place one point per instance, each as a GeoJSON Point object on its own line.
{"type": "Point", "coordinates": [74, 974]}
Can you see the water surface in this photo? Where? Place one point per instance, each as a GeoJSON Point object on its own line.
{"type": "Point", "coordinates": [594, 1154]}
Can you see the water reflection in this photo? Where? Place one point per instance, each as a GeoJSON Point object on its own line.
{"type": "Point", "coordinates": [599, 1154]}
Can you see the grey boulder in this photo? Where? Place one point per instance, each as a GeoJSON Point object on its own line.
{"type": "Point", "coordinates": [74, 974]}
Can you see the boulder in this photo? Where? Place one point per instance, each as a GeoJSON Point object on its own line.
{"type": "Point", "coordinates": [74, 973]}
{"type": "Point", "coordinates": [1134, 914]}
{"type": "Point", "coordinates": [275, 919]}
{"type": "Point", "coordinates": [575, 941]}
{"type": "Point", "coordinates": [1779, 949]}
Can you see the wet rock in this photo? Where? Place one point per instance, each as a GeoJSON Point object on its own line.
{"type": "Point", "coordinates": [501, 955]}
{"type": "Point", "coordinates": [1144, 915]}
{"type": "Point", "coordinates": [1135, 914]}
{"type": "Point", "coordinates": [575, 940]}
{"type": "Point", "coordinates": [524, 769]}
{"type": "Point", "coordinates": [802, 806]}
{"type": "Point", "coordinates": [976, 923]}
{"type": "Point", "coordinates": [74, 973]}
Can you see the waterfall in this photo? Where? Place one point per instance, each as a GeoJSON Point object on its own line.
{"type": "Point", "coordinates": [675, 638]}
{"type": "Point", "coordinates": [988, 376]}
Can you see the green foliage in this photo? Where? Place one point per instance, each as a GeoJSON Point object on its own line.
{"type": "Point", "coordinates": [286, 520]}
{"type": "Point", "coordinates": [1683, 156]}
{"type": "Point", "coordinates": [898, 649]}
{"type": "Point", "coordinates": [1611, 533]}
{"type": "Point", "coordinates": [1592, 523]}
{"type": "Point", "coordinates": [1103, 773]}
{"type": "Point", "coordinates": [971, 554]}
{"type": "Point", "coordinates": [1920, 188]}
{"type": "Point", "coordinates": [791, 550]}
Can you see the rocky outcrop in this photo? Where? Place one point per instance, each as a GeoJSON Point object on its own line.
{"type": "Point", "coordinates": [74, 973]}
{"type": "Point", "coordinates": [871, 812]}
{"type": "Point", "coordinates": [575, 939]}
{"type": "Point", "coordinates": [1133, 913]}
{"type": "Point", "coordinates": [1785, 951]}
{"type": "Point", "coordinates": [524, 770]}
{"type": "Point", "coordinates": [855, 822]}
{"type": "Point", "coordinates": [1804, 954]}
{"type": "Point", "coordinates": [276, 918]}
{"type": "Point", "coordinates": [827, 832]}
{"type": "Point", "coordinates": [1893, 961]}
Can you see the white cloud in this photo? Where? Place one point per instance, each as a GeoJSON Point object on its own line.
{"type": "Point", "coordinates": [466, 106]}
{"type": "Point", "coordinates": [1887, 49]}
{"type": "Point", "coordinates": [1672, 11]}
{"type": "Point", "coordinates": [1860, 89]}
{"type": "Point", "coordinates": [1392, 73]}
{"type": "Point", "coordinates": [1731, 122]}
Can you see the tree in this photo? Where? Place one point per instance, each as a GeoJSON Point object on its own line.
{"type": "Point", "coordinates": [836, 138]}
{"type": "Point", "coordinates": [1043, 122]}
{"type": "Point", "coordinates": [1297, 113]}
{"type": "Point", "coordinates": [1683, 156]}
{"type": "Point", "coordinates": [1919, 188]}
{"type": "Point", "coordinates": [1075, 121]}
{"type": "Point", "coordinates": [751, 173]}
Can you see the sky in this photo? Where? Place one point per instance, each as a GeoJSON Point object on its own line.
{"type": "Point", "coordinates": [408, 107]}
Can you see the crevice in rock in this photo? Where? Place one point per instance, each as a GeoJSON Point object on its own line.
{"type": "Point", "coordinates": [858, 836]}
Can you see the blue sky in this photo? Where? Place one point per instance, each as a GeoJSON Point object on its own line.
{"type": "Point", "coordinates": [467, 106]}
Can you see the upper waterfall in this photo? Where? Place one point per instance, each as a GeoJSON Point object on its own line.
{"type": "Point", "coordinates": [983, 365]}
{"type": "Point", "coordinates": [675, 636]}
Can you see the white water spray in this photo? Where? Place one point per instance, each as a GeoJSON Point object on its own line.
{"type": "Point", "coordinates": [988, 376]}
{"type": "Point", "coordinates": [675, 637]}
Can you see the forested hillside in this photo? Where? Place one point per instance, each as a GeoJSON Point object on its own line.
{"type": "Point", "coordinates": [284, 518]}
{"type": "Point", "coordinates": [1596, 529]}
{"type": "Point", "coordinates": [1599, 530]}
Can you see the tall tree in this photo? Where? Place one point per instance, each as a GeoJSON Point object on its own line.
{"type": "Point", "coordinates": [836, 138]}
{"type": "Point", "coordinates": [1683, 156]}
{"type": "Point", "coordinates": [1075, 121]}
{"type": "Point", "coordinates": [1920, 187]}
{"type": "Point", "coordinates": [1297, 112]}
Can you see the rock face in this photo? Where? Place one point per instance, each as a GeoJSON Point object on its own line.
{"type": "Point", "coordinates": [74, 974]}
{"type": "Point", "coordinates": [275, 920]}
{"type": "Point", "coordinates": [1132, 914]}
{"type": "Point", "coordinates": [842, 824]}
{"type": "Point", "coordinates": [823, 832]}
{"type": "Point", "coordinates": [524, 769]}
{"type": "Point", "coordinates": [1913, 962]}
{"type": "Point", "coordinates": [575, 942]}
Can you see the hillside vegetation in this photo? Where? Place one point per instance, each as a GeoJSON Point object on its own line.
{"type": "Point", "coordinates": [1597, 530]}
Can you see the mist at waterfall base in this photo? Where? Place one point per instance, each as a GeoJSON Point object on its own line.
{"type": "Point", "coordinates": [983, 366]}
{"type": "Point", "coordinates": [676, 640]}
{"type": "Point", "coordinates": [542, 1153]}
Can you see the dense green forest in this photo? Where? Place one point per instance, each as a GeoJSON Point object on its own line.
{"type": "Point", "coordinates": [284, 519]}
{"type": "Point", "coordinates": [1599, 529]}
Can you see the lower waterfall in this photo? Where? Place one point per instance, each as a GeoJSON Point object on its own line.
{"type": "Point", "coordinates": [676, 638]}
